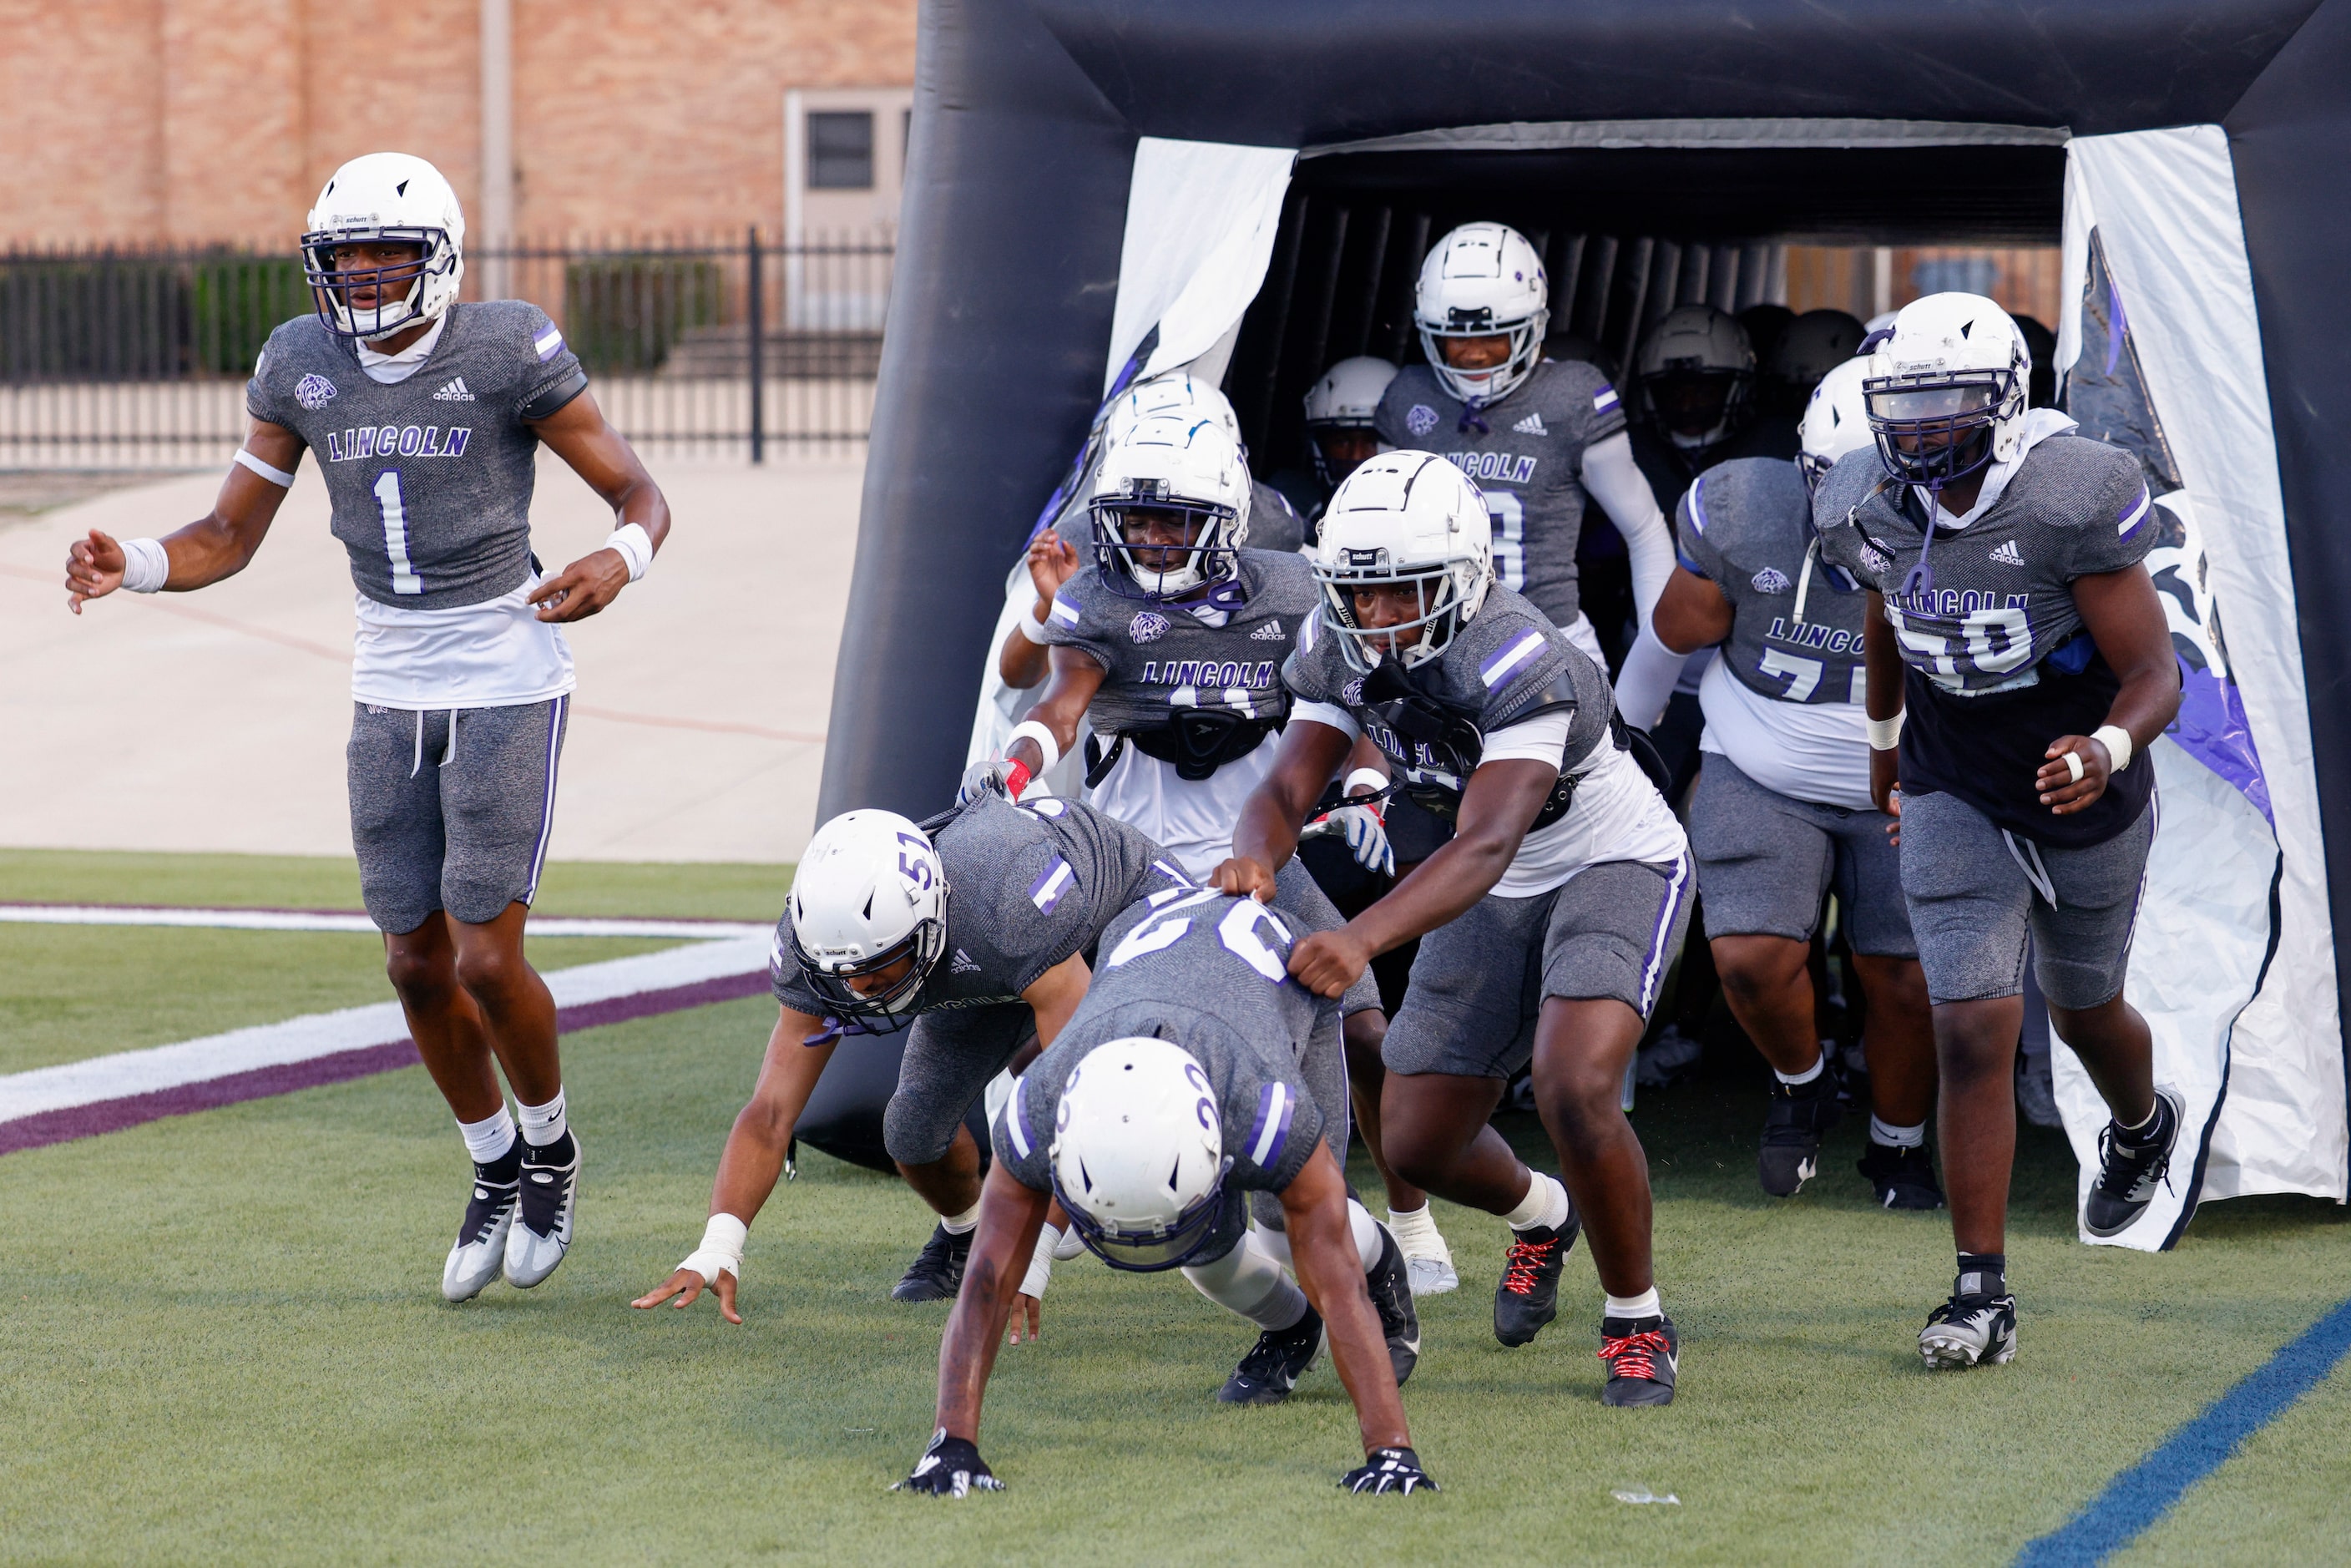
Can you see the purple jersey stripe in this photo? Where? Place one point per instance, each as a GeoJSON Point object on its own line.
{"type": "Point", "coordinates": [1275, 1106]}
{"type": "Point", "coordinates": [548, 343]}
{"type": "Point", "coordinates": [1016, 1117]}
{"type": "Point", "coordinates": [1605, 400]}
{"type": "Point", "coordinates": [1507, 662]}
{"type": "Point", "coordinates": [1654, 970]}
{"type": "Point", "coordinates": [1056, 880]}
{"type": "Point", "coordinates": [2136, 515]}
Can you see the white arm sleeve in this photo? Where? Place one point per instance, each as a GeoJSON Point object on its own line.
{"type": "Point", "coordinates": [1615, 481]}
{"type": "Point", "coordinates": [1651, 671]}
{"type": "Point", "coordinates": [1332, 713]}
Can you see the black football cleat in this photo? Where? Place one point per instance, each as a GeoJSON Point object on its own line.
{"type": "Point", "coordinates": [1528, 1296]}
{"type": "Point", "coordinates": [541, 1233]}
{"type": "Point", "coordinates": [1275, 1364]}
{"type": "Point", "coordinates": [2128, 1172]}
{"type": "Point", "coordinates": [1790, 1152]}
{"type": "Point", "coordinates": [1643, 1355]}
{"type": "Point", "coordinates": [936, 1272]}
{"type": "Point", "coordinates": [1902, 1179]}
{"type": "Point", "coordinates": [1969, 1331]}
{"type": "Point", "coordinates": [1389, 1283]}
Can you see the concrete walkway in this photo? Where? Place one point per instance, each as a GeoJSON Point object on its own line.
{"type": "Point", "coordinates": [216, 720]}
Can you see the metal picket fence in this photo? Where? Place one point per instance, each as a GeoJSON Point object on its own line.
{"type": "Point", "coordinates": [138, 358]}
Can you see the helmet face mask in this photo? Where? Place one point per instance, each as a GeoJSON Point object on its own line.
{"type": "Point", "coordinates": [1341, 409]}
{"type": "Point", "coordinates": [1146, 1248]}
{"type": "Point", "coordinates": [1433, 620]}
{"type": "Point", "coordinates": [833, 980]}
{"type": "Point", "coordinates": [1946, 389]}
{"type": "Point", "coordinates": [1693, 376]}
{"type": "Point", "coordinates": [1170, 509]}
{"type": "Point", "coordinates": [381, 199]}
{"type": "Point", "coordinates": [1409, 521]}
{"type": "Point", "coordinates": [1483, 280]}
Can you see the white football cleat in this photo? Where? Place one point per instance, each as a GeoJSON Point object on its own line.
{"type": "Point", "coordinates": [481, 1248]}
{"type": "Point", "coordinates": [542, 1229]}
{"type": "Point", "coordinates": [1428, 1262]}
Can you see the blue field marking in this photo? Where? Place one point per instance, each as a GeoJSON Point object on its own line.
{"type": "Point", "coordinates": [2139, 1496]}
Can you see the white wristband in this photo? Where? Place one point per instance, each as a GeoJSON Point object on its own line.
{"type": "Point", "coordinates": [1048, 748]}
{"type": "Point", "coordinates": [145, 567]}
{"type": "Point", "coordinates": [1369, 777]}
{"type": "Point", "coordinates": [1885, 734]}
{"type": "Point", "coordinates": [636, 548]}
{"type": "Point", "coordinates": [1040, 1262]}
{"type": "Point", "coordinates": [721, 1248]}
{"type": "Point", "coordinates": [1031, 627]}
{"type": "Point", "coordinates": [2117, 742]}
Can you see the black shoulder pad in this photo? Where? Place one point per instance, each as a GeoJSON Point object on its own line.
{"type": "Point", "coordinates": [1558, 696]}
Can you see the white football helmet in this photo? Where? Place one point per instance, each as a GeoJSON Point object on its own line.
{"type": "Point", "coordinates": [1813, 345]}
{"type": "Point", "coordinates": [1692, 375]}
{"type": "Point", "coordinates": [393, 196]}
{"type": "Point", "coordinates": [1171, 463]}
{"type": "Point", "coordinates": [1835, 422]}
{"type": "Point", "coordinates": [1175, 392]}
{"type": "Point", "coordinates": [1947, 389]}
{"type": "Point", "coordinates": [1138, 1155]}
{"type": "Point", "coordinates": [1346, 398]}
{"type": "Point", "coordinates": [1405, 518]}
{"type": "Point", "coordinates": [870, 891]}
{"type": "Point", "coordinates": [1483, 278]}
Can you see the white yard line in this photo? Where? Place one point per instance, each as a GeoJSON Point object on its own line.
{"type": "Point", "coordinates": [330, 920]}
{"type": "Point", "coordinates": [128, 1072]}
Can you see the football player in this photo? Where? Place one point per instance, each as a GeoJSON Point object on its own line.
{"type": "Point", "coordinates": [1194, 1090]}
{"type": "Point", "coordinates": [1545, 924]}
{"type": "Point", "coordinates": [1694, 400]}
{"type": "Point", "coordinates": [1170, 646]}
{"type": "Point", "coordinates": [973, 934]}
{"type": "Point", "coordinates": [1340, 432]}
{"type": "Point", "coordinates": [1783, 812]}
{"type": "Point", "coordinates": [1536, 435]}
{"type": "Point", "coordinates": [427, 415]}
{"type": "Point", "coordinates": [2018, 664]}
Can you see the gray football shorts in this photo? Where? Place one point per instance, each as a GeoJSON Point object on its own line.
{"type": "Point", "coordinates": [1478, 984]}
{"type": "Point", "coordinates": [451, 809]}
{"type": "Point", "coordinates": [1765, 860]}
{"type": "Point", "coordinates": [951, 1053]}
{"type": "Point", "coordinates": [1977, 892]}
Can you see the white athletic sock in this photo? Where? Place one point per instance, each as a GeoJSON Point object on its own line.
{"type": "Point", "coordinates": [1819, 1065]}
{"type": "Point", "coordinates": [488, 1139]}
{"type": "Point", "coordinates": [1367, 1234]}
{"type": "Point", "coordinates": [1246, 1281]}
{"type": "Point", "coordinates": [1416, 1231]}
{"type": "Point", "coordinates": [1895, 1137]}
{"type": "Point", "coordinates": [542, 1124]}
{"type": "Point", "coordinates": [1543, 1207]}
{"type": "Point", "coordinates": [957, 1224]}
{"type": "Point", "coordinates": [1644, 1305]}
{"type": "Point", "coordinates": [2136, 1130]}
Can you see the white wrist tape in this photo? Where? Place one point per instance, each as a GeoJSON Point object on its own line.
{"type": "Point", "coordinates": [278, 477]}
{"type": "Point", "coordinates": [1885, 734]}
{"type": "Point", "coordinates": [145, 567]}
{"type": "Point", "coordinates": [1364, 778]}
{"type": "Point", "coordinates": [1048, 749]}
{"type": "Point", "coordinates": [1041, 1263]}
{"type": "Point", "coordinates": [1033, 626]}
{"type": "Point", "coordinates": [635, 545]}
{"type": "Point", "coordinates": [2117, 742]}
{"type": "Point", "coordinates": [721, 1248]}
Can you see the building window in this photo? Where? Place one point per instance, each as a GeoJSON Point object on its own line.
{"type": "Point", "coordinates": [841, 151]}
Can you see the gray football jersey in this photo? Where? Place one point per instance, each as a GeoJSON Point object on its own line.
{"type": "Point", "coordinates": [1506, 664]}
{"type": "Point", "coordinates": [1526, 452]}
{"type": "Point", "coordinates": [429, 477]}
{"type": "Point", "coordinates": [1210, 975]}
{"type": "Point", "coordinates": [1161, 657]}
{"type": "Point", "coordinates": [1273, 523]}
{"type": "Point", "coordinates": [1028, 885]}
{"type": "Point", "coordinates": [1746, 527]}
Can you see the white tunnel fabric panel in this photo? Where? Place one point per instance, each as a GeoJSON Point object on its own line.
{"type": "Point", "coordinates": [2239, 804]}
{"type": "Point", "coordinates": [1200, 224]}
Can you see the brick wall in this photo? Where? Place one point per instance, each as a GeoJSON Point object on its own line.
{"type": "Point", "coordinates": [197, 121]}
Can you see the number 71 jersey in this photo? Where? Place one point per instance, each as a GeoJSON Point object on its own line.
{"type": "Point", "coordinates": [1745, 526]}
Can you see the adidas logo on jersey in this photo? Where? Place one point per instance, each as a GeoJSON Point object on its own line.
{"type": "Point", "coordinates": [453, 392]}
{"type": "Point", "coordinates": [1270, 632]}
{"type": "Point", "coordinates": [1770, 580]}
{"type": "Point", "coordinates": [2008, 554]}
{"type": "Point", "coordinates": [1530, 425]}
{"type": "Point", "coordinates": [963, 964]}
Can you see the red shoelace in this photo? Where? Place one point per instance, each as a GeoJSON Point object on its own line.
{"type": "Point", "coordinates": [1523, 1262]}
{"type": "Point", "coordinates": [1634, 1355]}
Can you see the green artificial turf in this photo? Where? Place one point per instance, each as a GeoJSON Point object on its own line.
{"type": "Point", "coordinates": [224, 1339]}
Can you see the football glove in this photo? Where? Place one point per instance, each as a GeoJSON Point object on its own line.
{"type": "Point", "coordinates": [951, 1466]}
{"type": "Point", "coordinates": [1387, 1469]}
{"type": "Point", "coordinates": [1366, 836]}
{"type": "Point", "coordinates": [994, 776]}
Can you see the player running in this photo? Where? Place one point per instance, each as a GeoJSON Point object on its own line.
{"type": "Point", "coordinates": [1546, 925]}
{"type": "Point", "coordinates": [427, 416]}
{"type": "Point", "coordinates": [1783, 813]}
{"type": "Point", "coordinates": [974, 934]}
{"type": "Point", "coordinates": [1171, 644]}
{"type": "Point", "coordinates": [1194, 1090]}
{"type": "Point", "coordinates": [2019, 659]}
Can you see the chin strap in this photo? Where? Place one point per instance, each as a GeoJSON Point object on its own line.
{"type": "Point", "coordinates": [1473, 417]}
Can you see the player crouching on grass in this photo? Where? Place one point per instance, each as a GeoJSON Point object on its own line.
{"type": "Point", "coordinates": [973, 933]}
{"type": "Point", "coordinates": [2013, 626]}
{"type": "Point", "coordinates": [427, 415]}
{"type": "Point", "coordinates": [1194, 1089]}
{"type": "Point", "coordinates": [1546, 923]}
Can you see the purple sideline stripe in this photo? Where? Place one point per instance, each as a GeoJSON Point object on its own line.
{"type": "Point", "coordinates": [285, 909]}
{"type": "Point", "coordinates": [89, 1120]}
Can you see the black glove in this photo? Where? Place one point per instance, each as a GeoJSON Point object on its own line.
{"type": "Point", "coordinates": [1388, 1469]}
{"type": "Point", "coordinates": [951, 1466]}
